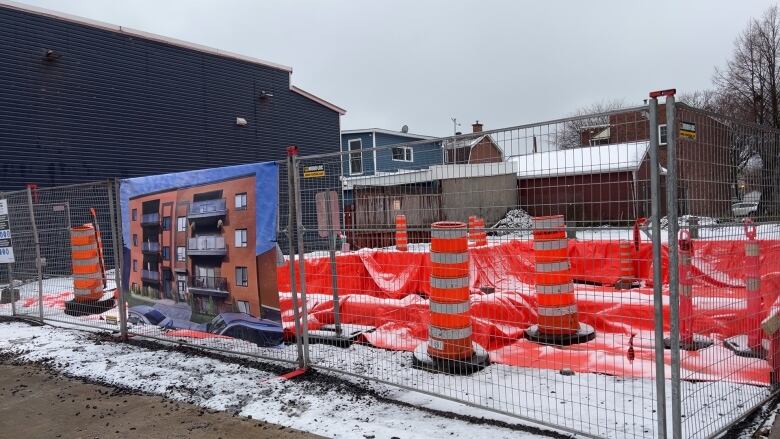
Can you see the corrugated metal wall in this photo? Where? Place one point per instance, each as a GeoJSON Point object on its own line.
{"type": "Point", "coordinates": [114, 105]}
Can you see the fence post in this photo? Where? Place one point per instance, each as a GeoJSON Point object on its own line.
{"type": "Point", "coordinates": [333, 269]}
{"type": "Point", "coordinates": [300, 230]}
{"type": "Point", "coordinates": [674, 275]}
{"type": "Point", "coordinates": [291, 152]}
{"type": "Point", "coordinates": [115, 212]}
{"type": "Point", "coordinates": [38, 262]}
{"type": "Point", "coordinates": [11, 286]}
{"type": "Point", "coordinates": [658, 298]}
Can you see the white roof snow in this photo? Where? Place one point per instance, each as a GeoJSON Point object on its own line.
{"type": "Point", "coordinates": [436, 172]}
{"type": "Point", "coordinates": [620, 157]}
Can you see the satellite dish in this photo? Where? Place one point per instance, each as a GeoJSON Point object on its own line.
{"type": "Point", "coordinates": [405, 129]}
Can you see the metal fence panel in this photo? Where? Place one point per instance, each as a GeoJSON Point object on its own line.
{"type": "Point", "coordinates": [594, 171]}
{"type": "Point", "coordinates": [205, 308]}
{"type": "Point", "coordinates": [727, 182]}
{"type": "Point", "coordinates": [584, 273]}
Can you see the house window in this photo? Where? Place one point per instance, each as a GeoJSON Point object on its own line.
{"type": "Point", "coordinates": [181, 224]}
{"type": "Point", "coordinates": [166, 253]}
{"type": "Point", "coordinates": [356, 156]}
{"type": "Point", "coordinates": [240, 237]}
{"type": "Point", "coordinates": [242, 276]}
{"type": "Point", "coordinates": [135, 265]}
{"type": "Point", "coordinates": [402, 154]}
{"type": "Point", "coordinates": [181, 254]}
{"type": "Point", "coordinates": [662, 134]}
{"type": "Point", "coordinates": [135, 214]}
{"type": "Point", "coordinates": [243, 306]}
{"type": "Point", "coordinates": [166, 223]}
{"type": "Point", "coordinates": [135, 240]}
{"type": "Point", "coordinates": [241, 201]}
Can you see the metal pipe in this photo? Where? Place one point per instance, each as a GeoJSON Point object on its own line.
{"type": "Point", "coordinates": [118, 243]}
{"type": "Point", "coordinates": [291, 253]}
{"type": "Point", "coordinates": [38, 262]}
{"type": "Point", "coordinates": [658, 298]}
{"type": "Point", "coordinates": [674, 275]}
{"type": "Point", "coordinates": [300, 230]}
{"type": "Point", "coordinates": [333, 271]}
{"type": "Point", "coordinates": [11, 286]}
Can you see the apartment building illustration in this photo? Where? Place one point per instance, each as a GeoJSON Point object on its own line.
{"type": "Point", "coordinates": [197, 245]}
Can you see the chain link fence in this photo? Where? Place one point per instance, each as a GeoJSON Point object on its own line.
{"type": "Point", "coordinates": [606, 275]}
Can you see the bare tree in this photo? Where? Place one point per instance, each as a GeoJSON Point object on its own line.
{"type": "Point", "coordinates": [586, 118]}
{"type": "Point", "coordinates": [747, 88]}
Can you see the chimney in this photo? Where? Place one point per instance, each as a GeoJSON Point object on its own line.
{"type": "Point", "coordinates": [476, 127]}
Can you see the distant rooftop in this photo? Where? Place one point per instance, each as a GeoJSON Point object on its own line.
{"type": "Point", "coordinates": [619, 157]}
{"type": "Point", "coordinates": [390, 132]}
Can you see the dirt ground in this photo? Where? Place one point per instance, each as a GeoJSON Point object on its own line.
{"type": "Point", "coordinates": [37, 403]}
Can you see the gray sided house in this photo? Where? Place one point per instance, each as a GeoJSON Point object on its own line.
{"type": "Point", "coordinates": [82, 100]}
{"type": "Point", "coordinates": [450, 192]}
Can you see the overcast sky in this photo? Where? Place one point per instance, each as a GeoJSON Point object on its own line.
{"type": "Point", "coordinates": [390, 63]}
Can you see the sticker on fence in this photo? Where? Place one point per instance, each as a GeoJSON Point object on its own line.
{"type": "Point", "coordinates": [313, 171]}
{"type": "Point", "coordinates": [688, 130]}
{"type": "Point", "coordinates": [6, 250]}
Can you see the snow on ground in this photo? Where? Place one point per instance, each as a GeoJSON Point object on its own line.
{"type": "Point", "coordinates": [300, 403]}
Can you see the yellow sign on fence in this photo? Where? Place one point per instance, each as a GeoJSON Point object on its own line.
{"type": "Point", "coordinates": [313, 171]}
{"type": "Point", "coordinates": [688, 130]}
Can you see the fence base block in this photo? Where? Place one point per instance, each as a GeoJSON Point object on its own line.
{"type": "Point", "coordinates": [585, 334]}
{"type": "Point", "coordinates": [478, 361]}
{"type": "Point", "coordinates": [73, 308]}
{"type": "Point", "coordinates": [740, 347]}
{"type": "Point", "coordinates": [698, 342]}
{"type": "Point", "coordinates": [328, 335]}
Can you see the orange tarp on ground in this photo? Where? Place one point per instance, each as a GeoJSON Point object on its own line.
{"type": "Point", "coordinates": [388, 290]}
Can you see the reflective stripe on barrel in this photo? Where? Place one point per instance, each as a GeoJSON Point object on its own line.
{"type": "Point", "coordinates": [625, 252]}
{"type": "Point", "coordinates": [450, 325]}
{"type": "Point", "coordinates": [401, 238]}
{"type": "Point", "coordinates": [85, 256]}
{"type": "Point", "coordinates": [556, 306]}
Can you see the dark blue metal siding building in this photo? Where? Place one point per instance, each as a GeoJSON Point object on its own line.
{"type": "Point", "coordinates": [111, 102]}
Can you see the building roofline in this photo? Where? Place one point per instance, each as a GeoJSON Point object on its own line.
{"type": "Point", "coordinates": [389, 132]}
{"type": "Point", "coordinates": [140, 34]}
{"type": "Point", "coordinates": [316, 99]}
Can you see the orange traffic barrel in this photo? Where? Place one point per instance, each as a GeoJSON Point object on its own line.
{"type": "Point", "coordinates": [401, 238]}
{"type": "Point", "coordinates": [86, 257]}
{"type": "Point", "coordinates": [480, 237]}
{"type": "Point", "coordinates": [627, 277]}
{"type": "Point", "coordinates": [450, 327]}
{"type": "Point", "coordinates": [556, 306]}
{"type": "Point", "coordinates": [472, 226]}
{"type": "Point", "coordinates": [450, 347]}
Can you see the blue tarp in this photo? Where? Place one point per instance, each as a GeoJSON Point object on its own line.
{"type": "Point", "coordinates": [266, 195]}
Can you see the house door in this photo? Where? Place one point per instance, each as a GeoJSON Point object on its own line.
{"type": "Point", "coordinates": [181, 287]}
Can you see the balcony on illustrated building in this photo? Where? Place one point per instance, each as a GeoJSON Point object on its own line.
{"type": "Point", "coordinates": [150, 247]}
{"type": "Point", "coordinates": [150, 276]}
{"type": "Point", "coordinates": [150, 220]}
{"type": "Point", "coordinates": [208, 286]}
{"type": "Point", "coordinates": [207, 209]}
{"type": "Point", "coordinates": [206, 246]}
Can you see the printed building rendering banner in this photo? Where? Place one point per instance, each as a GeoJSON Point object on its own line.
{"type": "Point", "coordinates": [200, 246]}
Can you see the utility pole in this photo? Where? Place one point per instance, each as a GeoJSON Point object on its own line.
{"type": "Point", "coordinates": [455, 125]}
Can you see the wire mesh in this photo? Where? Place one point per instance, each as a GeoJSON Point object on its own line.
{"type": "Point", "coordinates": [592, 170]}
{"type": "Point", "coordinates": [566, 314]}
{"type": "Point", "coordinates": [41, 222]}
{"type": "Point", "coordinates": [728, 220]}
{"type": "Point", "coordinates": [191, 256]}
